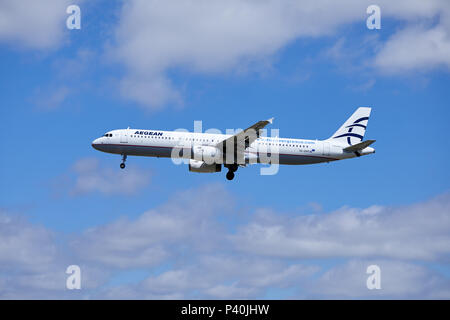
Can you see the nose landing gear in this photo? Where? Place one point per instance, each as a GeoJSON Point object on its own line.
{"type": "Point", "coordinates": [124, 158]}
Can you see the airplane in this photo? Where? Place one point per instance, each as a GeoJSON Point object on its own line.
{"type": "Point", "coordinates": [207, 152]}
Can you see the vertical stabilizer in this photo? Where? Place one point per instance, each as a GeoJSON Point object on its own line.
{"type": "Point", "coordinates": [353, 130]}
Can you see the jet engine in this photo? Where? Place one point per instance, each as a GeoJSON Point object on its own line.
{"type": "Point", "coordinates": [206, 153]}
{"type": "Point", "coordinates": [251, 158]}
{"type": "Point", "coordinates": [201, 166]}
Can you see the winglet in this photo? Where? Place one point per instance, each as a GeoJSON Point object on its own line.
{"type": "Point", "coordinates": [270, 120]}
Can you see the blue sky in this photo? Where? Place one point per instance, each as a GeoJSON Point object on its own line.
{"type": "Point", "coordinates": [157, 66]}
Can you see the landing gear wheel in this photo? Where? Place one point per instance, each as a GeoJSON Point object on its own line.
{"type": "Point", "coordinates": [230, 175]}
{"type": "Point", "coordinates": [124, 158]}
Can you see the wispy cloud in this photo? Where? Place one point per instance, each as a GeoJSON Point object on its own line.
{"type": "Point", "coordinates": [33, 24]}
{"type": "Point", "coordinates": [154, 38]}
{"type": "Point", "coordinates": [91, 177]}
{"type": "Point", "coordinates": [52, 99]}
{"type": "Point", "coordinates": [416, 49]}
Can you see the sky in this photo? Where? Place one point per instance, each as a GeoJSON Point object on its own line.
{"type": "Point", "coordinates": [156, 230]}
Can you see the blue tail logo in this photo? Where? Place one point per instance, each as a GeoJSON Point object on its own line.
{"type": "Point", "coordinates": [349, 133]}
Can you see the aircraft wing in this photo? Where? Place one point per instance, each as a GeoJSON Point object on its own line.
{"type": "Point", "coordinates": [240, 141]}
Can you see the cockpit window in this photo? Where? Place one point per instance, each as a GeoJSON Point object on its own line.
{"type": "Point", "coordinates": [107, 135]}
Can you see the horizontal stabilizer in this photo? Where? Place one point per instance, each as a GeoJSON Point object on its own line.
{"type": "Point", "coordinates": [359, 146]}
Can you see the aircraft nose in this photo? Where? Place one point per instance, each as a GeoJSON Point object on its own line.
{"type": "Point", "coordinates": [95, 143]}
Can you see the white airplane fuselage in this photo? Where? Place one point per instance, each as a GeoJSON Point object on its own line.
{"type": "Point", "coordinates": [153, 143]}
{"type": "Point", "coordinates": [208, 152]}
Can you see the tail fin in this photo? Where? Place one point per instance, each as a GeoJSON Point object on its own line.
{"type": "Point", "coordinates": [353, 130]}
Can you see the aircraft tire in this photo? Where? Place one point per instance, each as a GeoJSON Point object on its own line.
{"type": "Point", "coordinates": [230, 175]}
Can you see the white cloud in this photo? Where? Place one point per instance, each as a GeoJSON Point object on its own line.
{"type": "Point", "coordinates": [185, 233]}
{"type": "Point", "coordinates": [184, 223]}
{"type": "Point", "coordinates": [415, 48]}
{"type": "Point", "coordinates": [150, 90]}
{"type": "Point", "coordinates": [92, 177]}
{"type": "Point", "coordinates": [23, 244]}
{"type": "Point", "coordinates": [188, 250]}
{"type": "Point", "coordinates": [33, 24]}
{"type": "Point", "coordinates": [399, 280]}
{"type": "Point", "coordinates": [264, 252]}
{"type": "Point", "coordinates": [156, 37]}
{"type": "Point", "coordinates": [33, 262]}
{"type": "Point", "coordinates": [419, 231]}
{"type": "Point", "coordinates": [421, 44]}
{"type": "Point", "coordinates": [218, 276]}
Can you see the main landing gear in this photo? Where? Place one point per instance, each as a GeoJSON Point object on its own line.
{"type": "Point", "coordinates": [124, 158]}
{"type": "Point", "coordinates": [230, 175]}
{"type": "Point", "coordinates": [231, 170]}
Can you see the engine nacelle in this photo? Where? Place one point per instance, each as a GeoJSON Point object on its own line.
{"type": "Point", "coordinates": [208, 154]}
{"type": "Point", "coordinates": [251, 158]}
{"type": "Point", "coordinates": [201, 166]}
